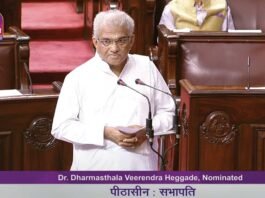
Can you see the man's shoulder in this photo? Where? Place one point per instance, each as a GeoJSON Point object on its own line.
{"type": "Point", "coordinates": [139, 57]}
{"type": "Point", "coordinates": [82, 69]}
{"type": "Point", "coordinates": [141, 62]}
{"type": "Point", "coordinates": [88, 65]}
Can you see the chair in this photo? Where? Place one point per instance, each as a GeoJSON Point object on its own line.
{"type": "Point", "coordinates": [14, 56]}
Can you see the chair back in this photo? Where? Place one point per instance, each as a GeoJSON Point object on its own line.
{"type": "Point", "coordinates": [14, 57]}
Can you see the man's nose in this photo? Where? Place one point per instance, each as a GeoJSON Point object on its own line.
{"type": "Point", "coordinates": [114, 46]}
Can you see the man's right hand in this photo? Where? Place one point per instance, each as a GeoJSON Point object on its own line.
{"type": "Point", "coordinates": [124, 139]}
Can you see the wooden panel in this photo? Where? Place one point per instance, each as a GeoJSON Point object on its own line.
{"type": "Point", "coordinates": [25, 139]}
{"type": "Point", "coordinates": [11, 10]}
{"type": "Point", "coordinates": [7, 65]}
{"type": "Point", "coordinates": [5, 147]}
{"type": "Point", "coordinates": [214, 60]}
{"type": "Point", "coordinates": [199, 56]}
{"type": "Point", "coordinates": [222, 128]}
{"type": "Point", "coordinates": [142, 13]}
{"type": "Point", "coordinates": [238, 10]}
{"type": "Point", "coordinates": [14, 56]}
{"type": "Point", "coordinates": [260, 146]}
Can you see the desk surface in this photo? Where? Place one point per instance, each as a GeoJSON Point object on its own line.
{"type": "Point", "coordinates": [37, 94]}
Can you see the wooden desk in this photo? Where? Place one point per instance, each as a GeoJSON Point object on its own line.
{"type": "Point", "coordinates": [211, 58]}
{"type": "Point", "coordinates": [25, 139]}
{"type": "Point", "coordinates": [222, 128]}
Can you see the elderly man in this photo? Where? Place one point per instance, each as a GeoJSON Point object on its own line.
{"type": "Point", "coordinates": [104, 121]}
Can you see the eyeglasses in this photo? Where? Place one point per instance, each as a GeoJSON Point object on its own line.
{"type": "Point", "coordinates": [120, 41]}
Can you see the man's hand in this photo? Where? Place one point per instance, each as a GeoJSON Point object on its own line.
{"type": "Point", "coordinates": [124, 139]}
{"type": "Point", "coordinates": [138, 138]}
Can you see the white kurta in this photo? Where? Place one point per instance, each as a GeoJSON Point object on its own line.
{"type": "Point", "coordinates": [168, 20]}
{"type": "Point", "coordinates": [91, 99]}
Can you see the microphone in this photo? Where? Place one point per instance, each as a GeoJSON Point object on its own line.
{"type": "Point", "coordinates": [149, 126]}
{"type": "Point", "coordinates": [175, 117]}
{"type": "Point", "coordinates": [29, 78]}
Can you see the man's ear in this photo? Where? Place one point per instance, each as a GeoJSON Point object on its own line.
{"type": "Point", "coordinates": [95, 42]}
{"type": "Point", "coordinates": [132, 39]}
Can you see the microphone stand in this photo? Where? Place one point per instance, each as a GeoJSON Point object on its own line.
{"type": "Point", "coordinates": [149, 125]}
{"type": "Point", "coordinates": [175, 116]}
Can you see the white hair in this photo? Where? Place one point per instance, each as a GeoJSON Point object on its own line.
{"type": "Point", "coordinates": [113, 17]}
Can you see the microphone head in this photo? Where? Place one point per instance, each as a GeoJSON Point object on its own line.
{"type": "Point", "coordinates": [139, 82]}
{"type": "Point", "coordinates": [121, 82]}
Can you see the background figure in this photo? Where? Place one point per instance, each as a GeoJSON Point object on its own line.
{"type": "Point", "coordinates": [197, 15]}
{"type": "Point", "coordinates": [104, 121]}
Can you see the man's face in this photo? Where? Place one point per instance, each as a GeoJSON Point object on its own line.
{"type": "Point", "coordinates": [113, 45]}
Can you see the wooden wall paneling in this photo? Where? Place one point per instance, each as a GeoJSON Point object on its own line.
{"type": "Point", "coordinates": [259, 146]}
{"type": "Point", "coordinates": [142, 13]}
{"type": "Point", "coordinates": [5, 147]}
